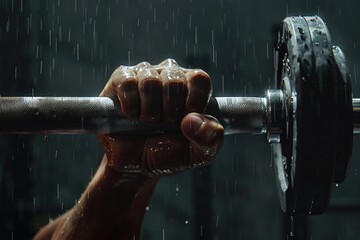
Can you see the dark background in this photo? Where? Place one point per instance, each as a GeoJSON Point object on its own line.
{"type": "Point", "coordinates": [70, 48]}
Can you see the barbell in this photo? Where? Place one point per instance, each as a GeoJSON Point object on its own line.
{"type": "Point", "coordinates": [309, 118]}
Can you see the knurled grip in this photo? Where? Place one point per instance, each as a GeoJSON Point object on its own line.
{"type": "Point", "coordinates": [79, 115]}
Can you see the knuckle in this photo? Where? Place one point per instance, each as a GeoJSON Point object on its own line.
{"type": "Point", "coordinates": [169, 62]}
{"type": "Point", "coordinates": [201, 72]}
{"type": "Point", "coordinates": [122, 75]}
{"type": "Point", "coordinates": [173, 73]}
{"type": "Point", "coordinates": [142, 65]}
{"type": "Point", "coordinates": [148, 74]}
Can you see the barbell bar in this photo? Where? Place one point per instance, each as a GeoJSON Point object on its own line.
{"type": "Point", "coordinates": [309, 118]}
{"type": "Point", "coordinates": [91, 115]}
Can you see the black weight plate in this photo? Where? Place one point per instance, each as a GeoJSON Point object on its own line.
{"type": "Point", "coordinates": [344, 117]}
{"type": "Point", "coordinates": [309, 145]}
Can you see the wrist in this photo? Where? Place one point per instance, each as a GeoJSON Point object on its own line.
{"type": "Point", "coordinates": [112, 206]}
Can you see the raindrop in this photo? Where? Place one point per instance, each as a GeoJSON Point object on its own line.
{"type": "Point", "coordinates": [34, 203]}
{"type": "Point", "coordinates": [223, 83]}
{"type": "Point", "coordinates": [50, 38]}
{"type": "Point", "coordinates": [60, 34]}
{"type": "Point", "coordinates": [212, 38]}
{"type": "Point", "coordinates": [41, 67]}
{"type": "Point", "coordinates": [69, 35]}
{"type": "Point", "coordinates": [15, 72]}
{"type": "Point", "coordinates": [196, 34]}
{"type": "Point", "coordinates": [129, 58]}
{"type": "Point", "coordinates": [8, 25]}
{"type": "Point", "coordinates": [57, 191]}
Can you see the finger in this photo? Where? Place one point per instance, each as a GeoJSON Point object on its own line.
{"type": "Point", "coordinates": [206, 136]}
{"type": "Point", "coordinates": [174, 93]}
{"type": "Point", "coordinates": [109, 90]}
{"type": "Point", "coordinates": [123, 83]}
{"type": "Point", "coordinates": [199, 91]}
{"type": "Point", "coordinates": [150, 90]}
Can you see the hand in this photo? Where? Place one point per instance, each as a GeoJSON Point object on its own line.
{"type": "Point", "coordinates": [162, 93]}
{"type": "Point", "coordinates": [113, 204]}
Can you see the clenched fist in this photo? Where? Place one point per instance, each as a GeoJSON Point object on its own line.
{"type": "Point", "coordinates": [163, 93]}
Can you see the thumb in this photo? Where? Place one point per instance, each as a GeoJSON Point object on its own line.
{"type": "Point", "coordinates": [202, 131]}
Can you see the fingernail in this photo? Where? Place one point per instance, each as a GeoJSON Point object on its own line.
{"type": "Point", "coordinates": [195, 123]}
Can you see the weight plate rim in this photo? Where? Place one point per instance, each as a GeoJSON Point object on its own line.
{"type": "Point", "coordinates": [345, 119]}
{"type": "Point", "coordinates": [302, 195]}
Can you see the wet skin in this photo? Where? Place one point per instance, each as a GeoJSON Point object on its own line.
{"type": "Point", "coordinates": [113, 204]}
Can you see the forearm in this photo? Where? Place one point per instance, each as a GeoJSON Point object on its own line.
{"type": "Point", "coordinates": [112, 207]}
